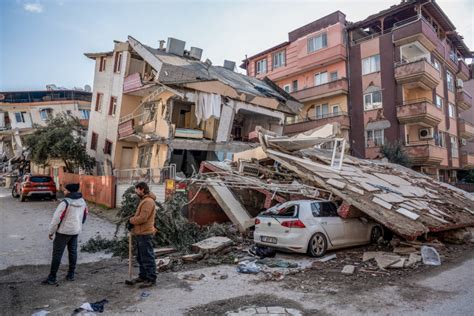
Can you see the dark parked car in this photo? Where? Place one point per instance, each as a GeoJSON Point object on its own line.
{"type": "Point", "coordinates": [34, 186]}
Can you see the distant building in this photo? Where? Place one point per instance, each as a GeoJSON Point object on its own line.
{"type": "Point", "coordinates": [21, 111]}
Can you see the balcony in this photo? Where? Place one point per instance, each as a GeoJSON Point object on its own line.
{"type": "Point", "coordinates": [466, 129]}
{"type": "Point", "coordinates": [463, 99]}
{"type": "Point", "coordinates": [415, 29]}
{"type": "Point", "coordinates": [417, 73]}
{"type": "Point", "coordinates": [463, 71]}
{"type": "Point", "coordinates": [419, 111]}
{"type": "Point", "coordinates": [424, 153]}
{"type": "Point", "coordinates": [467, 160]}
{"type": "Point", "coordinates": [134, 85]}
{"type": "Point", "coordinates": [322, 91]}
{"type": "Point", "coordinates": [307, 124]}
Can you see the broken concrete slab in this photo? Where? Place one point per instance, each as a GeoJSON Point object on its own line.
{"type": "Point", "coordinates": [407, 213]}
{"type": "Point", "coordinates": [192, 257]}
{"type": "Point", "coordinates": [163, 264]}
{"type": "Point", "coordinates": [405, 250]}
{"type": "Point", "coordinates": [457, 236]}
{"type": "Point", "coordinates": [337, 184]}
{"type": "Point", "coordinates": [348, 269]}
{"type": "Point", "coordinates": [385, 260]}
{"type": "Point", "coordinates": [413, 259]}
{"type": "Point", "coordinates": [163, 251]}
{"type": "Point", "coordinates": [382, 203]}
{"type": "Point", "coordinates": [368, 255]}
{"type": "Point", "coordinates": [327, 258]}
{"type": "Point", "coordinates": [211, 245]}
{"type": "Point", "coordinates": [390, 197]}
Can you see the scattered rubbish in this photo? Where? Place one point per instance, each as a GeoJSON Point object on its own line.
{"type": "Point", "coordinates": [164, 251]}
{"type": "Point", "coordinates": [274, 276]}
{"type": "Point", "coordinates": [211, 245]}
{"type": "Point", "coordinates": [277, 263]}
{"type": "Point", "coordinates": [404, 250]}
{"type": "Point", "coordinates": [348, 269]}
{"type": "Point", "coordinates": [386, 260]}
{"type": "Point", "coordinates": [92, 307]}
{"type": "Point", "coordinates": [262, 251]}
{"type": "Point", "coordinates": [193, 277]}
{"type": "Point", "coordinates": [192, 257]}
{"type": "Point", "coordinates": [163, 264]}
{"type": "Point", "coordinates": [413, 259]}
{"type": "Point", "coordinates": [249, 267]}
{"type": "Point", "coordinates": [430, 256]}
{"type": "Point", "coordinates": [327, 258]}
{"type": "Point", "coordinates": [457, 236]}
{"type": "Point", "coordinates": [40, 313]}
{"type": "Point", "coordinates": [145, 294]}
{"type": "Point", "coordinates": [43, 306]}
{"type": "Point", "coordinates": [224, 276]}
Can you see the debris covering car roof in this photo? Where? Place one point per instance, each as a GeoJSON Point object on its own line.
{"type": "Point", "coordinates": [405, 201]}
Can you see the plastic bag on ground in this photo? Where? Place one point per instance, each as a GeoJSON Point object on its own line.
{"type": "Point", "coordinates": [430, 256]}
{"type": "Point", "coordinates": [249, 267]}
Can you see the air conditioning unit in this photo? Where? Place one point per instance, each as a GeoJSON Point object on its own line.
{"type": "Point", "coordinates": [460, 83]}
{"type": "Point", "coordinates": [463, 141]}
{"type": "Point", "coordinates": [425, 133]}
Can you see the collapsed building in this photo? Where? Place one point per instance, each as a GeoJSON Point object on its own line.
{"type": "Point", "coordinates": [168, 109]}
{"type": "Point", "coordinates": [406, 202]}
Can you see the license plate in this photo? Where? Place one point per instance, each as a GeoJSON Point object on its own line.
{"type": "Point", "coordinates": [42, 188]}
{"type": "Point", "coordinates": [270, 240]}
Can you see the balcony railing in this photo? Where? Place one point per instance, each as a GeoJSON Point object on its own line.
{"type": "Point", "coordinates": [305, 124]}
{"type": "Point", "coordinates": [335, 87]}
{"type": "Point", "coordinates": [463, 99]}
{"type": "Point", "coordinates": [425, 153]}
{"type": "Point", "coordinates": [415, 29]}
{"type": "Point", "coordinates": [466, 129]}
{"type": "Point", "coordinates": [149, 175]}
{"type": "Point", "coordinates": [419, 111]}
{"type": "Point", "coordinates": [463, 70]}
{"type": "Point", "coordinates": [419, 72]}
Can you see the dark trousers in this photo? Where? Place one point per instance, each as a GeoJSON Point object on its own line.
{"type": "Point", "coordinates": [146, 257]}
{"type": "Point", "coordinates": [59, 244]}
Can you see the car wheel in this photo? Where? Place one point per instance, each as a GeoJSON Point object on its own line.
{"type": "Point", "coordinates": [375, 234]}
{"type": "Point", "coordinates": [14, 194]}
{"type": "Point", "coordinates": [318, 245]}
{"type": "Point", "coordinates": [22, 198]}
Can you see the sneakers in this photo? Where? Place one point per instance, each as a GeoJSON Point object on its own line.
{"type": "Point", "coordinates": [134, 281]}
{"type": "Point", "coordinates": [70, 276]}
{"type": "Point", "coordinates": [49, 281]}
{"type": "Point", "coordinates": [147, 283]}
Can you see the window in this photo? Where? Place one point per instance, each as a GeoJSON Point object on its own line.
{"type": "Point", "coordinates": [118, 62]}
{"type": "Point", "coordinates": [282, 210]}
{"type": "Point", "coordinates": [45, 114]}
{"type": "Point", "coordinates": [454, 147]}
{"type": "Point", "coordinates": [112, 105]}
{"type": "Point", "coordinates": [261, 66]}
{"type": "Point", "coordinates": [324, 209]}
{"type": "Point", "coordinates": [20, 117]}
{"type": "Point", "coordinates": [295, 85]}
{"type": "Point", "coordinates": [370, 64]}
{"type": "Point", "coordinates": [98, 102]}
{"type": "Point", "coordinates": [85, 114]}
{"type": "Point", "coordinates": [374, 138]}
{"type": "Point", "coordinates": [94, 139]}
{"type": "Point", "coordinates": [286, 88]}
{"type": "Point", "coordinates": [317, 42]}
{"type": "Point", "coordinates": [279, 59]}
{"type": "Point", "coordinates": [439, 102]}
{"type": "Point", "coordinates": [335, 109]}
{"type": "Point", "coordinates": [320, 78]}
{"type": "Point", "coordinates": [453, 56]}
{"type": "Point", "coordinates": [333, 76]}
{"type": "Point", "coordinates": [108, 147]}
{"type": "Point", "coordinates": [439, 139]}
{"type": "Point", "coordinates": [102, 62]}
{"type": "Point", "coordinates": [144, 156]}
{"type": "Point", "coordinates": [322, 111]}
{"type": "Point", "coordinates": [450, 81]}
{"type": "Point", "coordinates": [373, 100]}
{"type": "Point", "coordinates": [451, 110]}
{"type": "Point", "coordinates": [436, 64]}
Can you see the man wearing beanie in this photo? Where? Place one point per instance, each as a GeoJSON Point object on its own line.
{"type": "Point", "coordinates": [66, 225]}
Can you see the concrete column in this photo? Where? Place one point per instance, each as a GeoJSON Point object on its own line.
{"type": "Point", "coordinates": [225, 122]}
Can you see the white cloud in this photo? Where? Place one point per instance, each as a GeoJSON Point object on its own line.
{"type": "Point", "coordinates": [33, 7]}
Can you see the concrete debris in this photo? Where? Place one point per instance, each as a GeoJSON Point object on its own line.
{"type": "Point", "coordinates": [163, 264]}
{"type": "Point", "coordinates": [388, 261]}
{"type": "Point", "coordinates": [457, 236]}
{"type": "Point", "coordinates": [327, 258]}
{"type": "Point", "coordinates": [369, 255]}
{"type": "Point", "coordinates": [193, 277]}
{"type": "Point", "coordinates": [413, 259]}
{"type": "Point", "coordinates": [348, 211]}
{"type": "Point", "coordinates": [192, 257]}
{"type": "Point", "coordinates": [211, 245]}
{"type": "Point", "coordinates": [164, 251]}
{"type": "Point", "coordinates": [348, 269]}
{"type": "Point", "coordinates": [404, 250]}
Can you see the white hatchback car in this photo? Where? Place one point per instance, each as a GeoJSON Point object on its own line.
{"type": "Point", "coordinates": [313, 227]}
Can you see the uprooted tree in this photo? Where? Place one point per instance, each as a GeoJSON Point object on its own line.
{"type": "Point", "coordinates": [395, 153]}
{"type": "Point", "coordinates": [62, 138]}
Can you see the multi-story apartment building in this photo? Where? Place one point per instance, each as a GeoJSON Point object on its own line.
{"type": "Point", "coordinates": [466, 129]}
{"type": "Point", "coordinates": [398, 75]}
{"type": "Point", "coordinates": [155, 107]}
{"type": "Point", "coordinates": [20, 112]}
{"type": "Point", "coordinates": [407, 71]}
{"type": "Point", "coordinates": [311, 66]}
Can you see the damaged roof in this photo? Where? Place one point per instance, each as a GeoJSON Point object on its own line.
{"type": "Point", "coordinates": [407, 202]}
{"type": "Point", "coordinates": [175, 70]}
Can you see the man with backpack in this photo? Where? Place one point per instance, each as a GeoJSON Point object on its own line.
{"type": "Point", "coordinates": [65, 226]}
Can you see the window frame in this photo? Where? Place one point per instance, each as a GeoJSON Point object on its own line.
{"type": "Point", "coordinates": [451, 110]}
{"type": "Point", "coordinates": [113, 105]}
{"type": "Point", "coordinates": [373, 105]}
{"type": "Point", "coordinates": [371, 62]}
{"type": "Point", "coordinates": [294, 87]}
{"type": "Point", "coordinates": [108, 147]}
{"type": "Point", "coordinates": [450, 83]}
{"type": "Point", "coordinates": [45, 114]}
{"type": "Point", "coordinates": [98, 101]}
{"type": "Point", "coordinates": [261, 62]}
{"type": "Point", "coordinates": [87, 116]}
{"type": "Point", "coordinates": [440, 106]}
{"type": "Point", "coordinates": [318, 74]}
{"type": "Point", "coordinates": [312, 41]}
{"type": "Point", "coordinates": [102, 63]}
{"type": "Point", "coordinates": [373, 138]}
{"type": "Point", "coordinates": [287, 86]}
{"type": "Point", "coordinates": [94, 141]}
{"type": "Point", "coordinates": [454, 146]}
{"type": "Point", "coordinates": [276, 57]}
{"type": "Point", "coordinates": [22, 117]}
{"type": "Point", "coordinates": [118, 62]}
{"type": "Point", "coordinates": [331, 79]}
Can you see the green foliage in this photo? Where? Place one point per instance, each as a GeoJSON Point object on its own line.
{"type": "Point", "coordinates": [116, 246]}
{"type": "Point", "coordinates": [395, 153]}
{"type": "Point", "coordinates": [61, 138]}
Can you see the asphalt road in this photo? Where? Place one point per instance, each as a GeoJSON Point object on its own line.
{"type": "Point", "coordinates": [24, 232]}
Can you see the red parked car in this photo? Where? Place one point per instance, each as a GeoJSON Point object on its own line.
{"type": "Point", "coordinates": [34, 186]}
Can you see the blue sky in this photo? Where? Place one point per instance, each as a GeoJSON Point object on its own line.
{"type": "Point", "coordinates": [43, 41]}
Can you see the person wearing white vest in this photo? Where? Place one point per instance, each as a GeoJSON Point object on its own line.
{"type": "Point", "coordinates": [65, 226]}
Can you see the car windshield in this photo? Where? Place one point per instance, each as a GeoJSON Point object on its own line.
{"type": "Point", "coordinates": [40, 179]}
{"type": "Point", "coordinates": [281, 210]}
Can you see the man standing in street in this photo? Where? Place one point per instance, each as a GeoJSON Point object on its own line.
{"type": "Point", "coordinates": [66, 224]}
{"type": "Point", "coordinates": [142, 226]}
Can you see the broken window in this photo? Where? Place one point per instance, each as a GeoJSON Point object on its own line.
{"type": "Point", "coordinates": [374, 138]}
{"type": "Point", "coordinates": [261, 66]}
{"type": "Point", "coordinates": [324, 209]}
{"type": "Point", "coordinates": [370, 64]}
{"type": "Point", "coordinates": [282, 210]}
{"type": "Point", "coordinates": [372, 100]}
{"type": "Point", "coordinates": [46, 114]}
{"type": "Point", "coordinates": [144, 156]}
{"type": "Point", "coordinates": [94, 139]}
{"type": "Point", "coordinates": [286, 88]}
{"type": "Point", "coordinates": [317, 42]}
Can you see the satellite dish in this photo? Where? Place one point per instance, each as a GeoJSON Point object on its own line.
{"type": "Point", "coordinates": [87, 88]}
